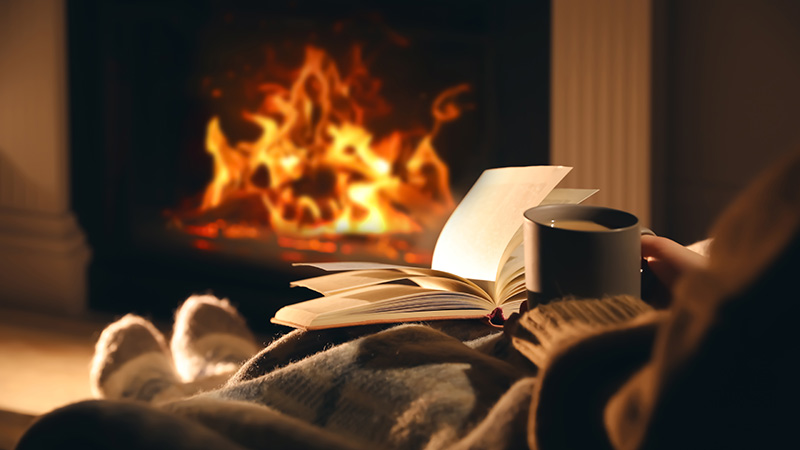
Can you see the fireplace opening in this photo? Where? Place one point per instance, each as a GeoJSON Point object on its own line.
{"type": "Point", "coordinates": [213, 144]}
{"type": "Point", "coordinates": [311, 174]}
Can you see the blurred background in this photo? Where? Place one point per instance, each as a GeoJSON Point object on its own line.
{"type": "Point", "coordinates": [117, 119]}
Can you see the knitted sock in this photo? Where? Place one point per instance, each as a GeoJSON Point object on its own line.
{"type": "Point", "coordinates": [210, 339]}
{"type": "Point", "coordinates": [131, 361]}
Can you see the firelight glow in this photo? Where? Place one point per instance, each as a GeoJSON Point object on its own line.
{"type": "Point", "coordinates": [316, 170]}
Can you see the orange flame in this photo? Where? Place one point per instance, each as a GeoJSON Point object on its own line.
{"type": "Point", "coordinates": [316, 170]}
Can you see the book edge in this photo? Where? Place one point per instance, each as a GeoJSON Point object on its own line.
{"type": "Point", "coordinates": [312, 327]}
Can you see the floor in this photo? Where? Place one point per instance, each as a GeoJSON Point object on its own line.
{"type": "Point", "coordinates": [44, 364]}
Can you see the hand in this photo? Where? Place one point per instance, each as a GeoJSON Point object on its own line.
{"type": "Point", "coordinates": [669, 260]}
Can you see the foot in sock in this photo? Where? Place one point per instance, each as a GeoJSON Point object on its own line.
{"type": "Point", "coordinates": [210, 339]}
{"type": "Point", "coordinates": [131, 361]}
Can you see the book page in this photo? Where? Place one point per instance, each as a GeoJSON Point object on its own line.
{"type": "Point", "coordinates": [379, 301]}
{"type": "Point", "coordinates": [341, 282]}
{"type": "Point", "coordinates": [367, 274]}
{"type": "Point", "coordinates": [476, 235]}
{"type": "Point", "coordinates": [346, 281]}
{"type": "Point", "coordinates": [325, 321]}
{"type": "Point", "coordinates": [355, 300]}
{"type": "Point", "coordinates": [568, 196]}
{"type": "Point", "coordinates": [509, 273]}
{"type": "Point", "coordinates": [452, 285]}
{"type": "Point", "coordinates": [512, 305]}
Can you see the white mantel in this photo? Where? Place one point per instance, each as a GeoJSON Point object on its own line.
{"type": "Point", "coordinates": [600, 105]}
{"type": "Point", "coordinates": [43, 252]}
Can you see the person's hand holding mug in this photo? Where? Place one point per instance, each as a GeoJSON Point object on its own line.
{"type": "Point", "coordinates": [667, 260]}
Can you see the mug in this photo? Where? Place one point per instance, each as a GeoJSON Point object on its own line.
{"type": "Point", "coordinates": [581, 251]}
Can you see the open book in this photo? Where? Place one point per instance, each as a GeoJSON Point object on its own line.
{"type": "Point", "coordinates": [477, 269]}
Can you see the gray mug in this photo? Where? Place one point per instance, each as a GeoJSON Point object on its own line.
{"type": "Point", "coordinates": [567, 255]}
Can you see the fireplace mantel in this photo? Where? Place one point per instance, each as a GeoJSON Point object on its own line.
{"type": "Point", "coordinates": [43, 252]}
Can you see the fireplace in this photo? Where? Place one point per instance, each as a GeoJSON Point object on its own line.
{"type": "Point", "coordinates": [215, 143]}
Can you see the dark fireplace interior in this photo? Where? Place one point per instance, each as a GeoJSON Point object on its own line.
{"type": "Point", "coordinates": [155, 85]}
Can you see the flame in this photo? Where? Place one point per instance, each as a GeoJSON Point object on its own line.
{"type": "Point", "coordinates": [317, 170]}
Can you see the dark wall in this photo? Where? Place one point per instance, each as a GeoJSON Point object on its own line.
{"type": "Point", "coordinates": [727, 98]}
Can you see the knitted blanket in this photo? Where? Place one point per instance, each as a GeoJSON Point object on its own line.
{"type": "Point", "coordinates": [455, 384]}
{"type": "Point", "coordinates": [448, 384]}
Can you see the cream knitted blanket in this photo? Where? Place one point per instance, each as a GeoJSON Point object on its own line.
{"type": "Point", "coordinates": [457, 384]}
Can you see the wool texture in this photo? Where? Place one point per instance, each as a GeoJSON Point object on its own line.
{"type": "Point", "coordinates": [210, 338]}
{"type": "Point", "coordinates": [132, 361]}
{"type": "Point", "coordinates": [721, 373]}
{"type": "Point", "coordinates": [402, 387]}
{"type": "Point", "coordinates": [448, 384]}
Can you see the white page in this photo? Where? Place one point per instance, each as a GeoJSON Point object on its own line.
{"type": "Point", "coordinates": [567, 196]}
{"type": "Point", "coordinates": [475, 236]}
{"type": "Point", "coordinates": [344, 281]}
{"type": "Point", "coordinates": [340, 282]}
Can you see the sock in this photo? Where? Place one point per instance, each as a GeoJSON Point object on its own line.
{"type": "Point", "coordinates": [210, 339]}
{"type": "Point", "coordinates": [131, 361]}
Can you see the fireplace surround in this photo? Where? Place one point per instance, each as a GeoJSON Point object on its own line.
{"type": "Point", "coordinates": [43, 251]}
{"type": "Point", "coordinates": [137, 130]}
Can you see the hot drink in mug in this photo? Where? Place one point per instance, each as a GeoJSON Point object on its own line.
{"type": "Point", "coordinates": [581, 251]}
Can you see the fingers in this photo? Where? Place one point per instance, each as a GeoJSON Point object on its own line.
{"type": "Point", "coordinates": [669, 260]}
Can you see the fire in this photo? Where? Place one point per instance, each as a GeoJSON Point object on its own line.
{"type": "Point", "coordinates": [316, 170]}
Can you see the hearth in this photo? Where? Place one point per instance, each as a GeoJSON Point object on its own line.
{"type": "Point", "coordinates": [215, 143]}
